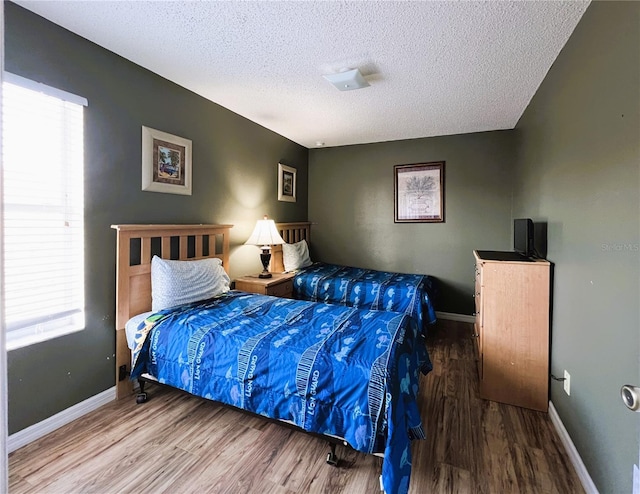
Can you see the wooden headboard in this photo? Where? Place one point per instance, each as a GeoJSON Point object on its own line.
{"type": "Point", "coordinates": [136, 245]}
{"type": "Point", "coordinates": [290, 233]}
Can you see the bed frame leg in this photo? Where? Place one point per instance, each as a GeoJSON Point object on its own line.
{"type": "Point", "coordinates": [141, 397]}
{"type": "Point", "coordinates": [332, 459]}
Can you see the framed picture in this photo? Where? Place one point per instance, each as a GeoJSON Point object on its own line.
{"type": "Point", "coordinates": [286, 183]}
{"type": "Point", "coordinates": [419, 193]}
{"type": "Point", "coordinates": [166, 162]}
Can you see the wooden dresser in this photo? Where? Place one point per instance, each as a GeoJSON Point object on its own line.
{"type": "Point", "coordinates": [512, 330]}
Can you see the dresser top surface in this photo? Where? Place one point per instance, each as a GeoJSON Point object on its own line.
{"type": "Point", "coordinates": [506, 256]}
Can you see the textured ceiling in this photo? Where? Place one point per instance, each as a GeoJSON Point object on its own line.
{"type": "Point", "coordinates": [435, 68]}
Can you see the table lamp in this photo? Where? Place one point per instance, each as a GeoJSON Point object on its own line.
{"type": "Point", "coordinates": [264, 235]}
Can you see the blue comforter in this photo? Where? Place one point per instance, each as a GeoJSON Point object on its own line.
{"type": "Point", "coordinates": [328, 369]}
{"type": "Point", "coordinates": [368, 289]}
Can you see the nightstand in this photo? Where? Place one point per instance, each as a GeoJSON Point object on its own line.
{"type": "Point", "coordinates": [280, 285]}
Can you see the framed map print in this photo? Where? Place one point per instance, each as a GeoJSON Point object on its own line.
{"type": "Point", "coordinates": [419, 193]}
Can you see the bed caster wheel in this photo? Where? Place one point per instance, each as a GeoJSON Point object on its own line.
{"type": "Point", "coordinates": [332, 459]}
{"type": "Point", "coordinates": [141, 398]}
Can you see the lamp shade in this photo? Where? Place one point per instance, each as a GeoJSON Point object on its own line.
{"type": "Point", "coordinates": [265, 233]}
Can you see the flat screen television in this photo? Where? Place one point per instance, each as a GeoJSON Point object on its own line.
{"type": "Point", "coordinates": [523, 237]}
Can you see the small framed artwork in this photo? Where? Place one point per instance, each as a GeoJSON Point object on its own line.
{"type": "Point", "coordinates": [419, 193]}
{"type": "Point", "coordinates": [166, 162]}
{"type": "Point", "coordinates": [286, 183]}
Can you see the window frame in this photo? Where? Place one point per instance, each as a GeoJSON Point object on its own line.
{"type": "Point", "coordinates": [27, 334]}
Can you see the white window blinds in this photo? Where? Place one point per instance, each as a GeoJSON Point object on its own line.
{"type": "Point", "coordinates": [43, 213]}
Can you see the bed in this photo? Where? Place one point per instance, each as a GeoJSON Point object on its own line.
{"type": "Point", "coordinates": [346, 373]}
{"type": "Point", "coordinates": [412, 294]}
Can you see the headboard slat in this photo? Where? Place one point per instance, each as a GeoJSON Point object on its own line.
{"type": "Point", "coordinates": [165, 251]}
{"type": "Point", "coordinates": [145, 254]}
{"type": "Point", "coordinates": [184, 243]}
{"type": "Point", "coordinates": [199, 249]}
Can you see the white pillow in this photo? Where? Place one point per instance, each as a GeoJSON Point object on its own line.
{"type": "Point", "coordinates": [180, 282]}
{"type": "Point", "coordinates": [296, 256]}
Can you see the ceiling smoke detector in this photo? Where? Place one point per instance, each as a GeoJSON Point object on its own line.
{"type": "Point", "coordinates": [347, 80]}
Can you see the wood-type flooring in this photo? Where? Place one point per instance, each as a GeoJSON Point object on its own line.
{"type": "Point", "coordinates": [177, 443]}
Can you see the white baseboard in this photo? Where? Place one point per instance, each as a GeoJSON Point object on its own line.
{"type": "Point", "coordinates": [36, 431]}
{"type": "Point", "coordinates": [451, 316]}
{"type": "Point", "coordinates": [574, 456]}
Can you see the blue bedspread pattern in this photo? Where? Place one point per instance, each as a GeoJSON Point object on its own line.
{"type": "Point", "coordinates": [328, 369]}
{"type": "Point", "coordinates": [368, 289]}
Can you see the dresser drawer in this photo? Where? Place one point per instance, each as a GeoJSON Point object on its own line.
{"type": "Point", "coordinates": [284, 289]}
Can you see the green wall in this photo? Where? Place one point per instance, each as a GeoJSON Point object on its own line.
{"type": "Point", "coordinates": [358, 227]}
{"type": "Point", "coordinates": [578, 171]}
{"type": "Point", "coordinates": [234, 181]}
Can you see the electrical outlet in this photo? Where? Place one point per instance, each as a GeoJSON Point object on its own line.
{"type": "Point", "coordinates": [567, 383]}
{"type": "Point", "coordinates": [122, 373]}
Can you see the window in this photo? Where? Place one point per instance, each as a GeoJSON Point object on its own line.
{"type": "Point", "coordinates": [43, 158]}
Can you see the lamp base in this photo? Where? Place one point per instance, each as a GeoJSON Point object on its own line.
{"type": "Point", "coordinates": [265, 258]}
